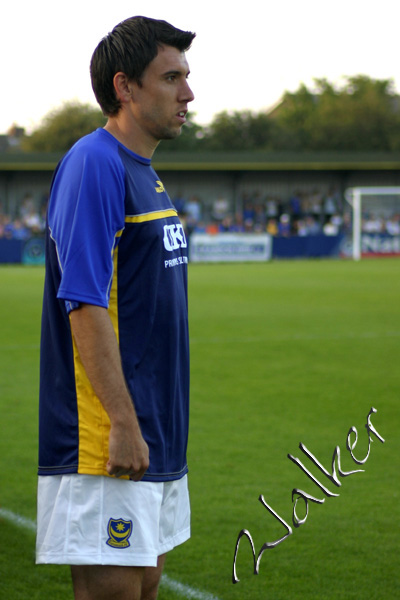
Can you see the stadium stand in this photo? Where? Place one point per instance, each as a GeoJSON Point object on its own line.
{"type": "Point", "coordinates": [284, 195]}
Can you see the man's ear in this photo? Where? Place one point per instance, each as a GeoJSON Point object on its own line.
{"type": "Point", "coordinates": [123, 87]}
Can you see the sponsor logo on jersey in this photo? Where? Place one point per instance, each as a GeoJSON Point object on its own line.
{"type": "Point", "coordinates": [180, 260]}
{"type": "Point", "coordinates": [119, 532]}
{"type": "Point", "coordinates": [160, 187]}
{"type": "Point", "coordinates": [174, 237]}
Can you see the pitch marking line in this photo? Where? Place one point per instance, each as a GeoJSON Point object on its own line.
{"type": "Point", "coordinates": [185, 590]}
{"type": "Point", "coordinates": [179, 588]}
{"type": "Point", "coordinates": [8, 515]}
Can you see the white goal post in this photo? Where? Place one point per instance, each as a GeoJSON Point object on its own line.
{"type": "Point", "coordinates": [354, 197]}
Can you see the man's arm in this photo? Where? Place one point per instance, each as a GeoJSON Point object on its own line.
{"type": "Point", "coordinates": [98, 349]}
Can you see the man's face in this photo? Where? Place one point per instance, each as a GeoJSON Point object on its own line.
{"type": "Point", "coordinates": [160, 104]}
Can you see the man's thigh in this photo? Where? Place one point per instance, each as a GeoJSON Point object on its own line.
{"type": "Point", "coordinates": [151, 579]}
{"type": "Point", "coordinates": [103, 582]}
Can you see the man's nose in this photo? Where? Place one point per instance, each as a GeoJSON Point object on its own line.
{"type": "Point", "coordinates": [187, 93]}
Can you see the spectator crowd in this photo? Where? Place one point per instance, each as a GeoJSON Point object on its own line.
{"type": "Point", "coordinates": [301, 214]}
{"type": "Point", "coordinates": [29, 221]}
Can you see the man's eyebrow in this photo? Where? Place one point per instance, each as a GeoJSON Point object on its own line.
{"type": "Point", "coordinates": [176, 72]}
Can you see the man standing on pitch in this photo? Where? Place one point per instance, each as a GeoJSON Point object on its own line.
{"type": "Point", "coordinates": [114, 388]}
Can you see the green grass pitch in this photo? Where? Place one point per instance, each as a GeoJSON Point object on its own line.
{"type": "Point", "coordinates": [282, 353]}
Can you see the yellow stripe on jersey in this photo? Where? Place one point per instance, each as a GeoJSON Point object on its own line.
{"type": "Point", "coordinates": [113, 303]}
{"type": "Point", "coordinates": [151, 216]}
{"type": "Point", "coordinates": [94, 423]}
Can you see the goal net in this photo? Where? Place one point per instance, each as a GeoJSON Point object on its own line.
{"type": "Point", "coordinates": [374, 226]}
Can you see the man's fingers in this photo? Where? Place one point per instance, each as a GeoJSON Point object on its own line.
{"type": "Point", "coordinates": [137, 476]}
{"type": "Point", "coordinates": [121, 472]}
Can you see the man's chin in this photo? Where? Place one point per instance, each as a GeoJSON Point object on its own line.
{"type": "Point", "coordinates": [172, 134]}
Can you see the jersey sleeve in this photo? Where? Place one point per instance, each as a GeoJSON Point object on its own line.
{"type": "Point", "coordinates": [86, 216]}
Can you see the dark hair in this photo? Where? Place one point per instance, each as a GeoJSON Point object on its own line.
{"type": "Point", "coordinates": [130, 47]}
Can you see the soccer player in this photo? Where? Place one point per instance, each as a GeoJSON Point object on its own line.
{"type": "Point", "coordinates": [114, 375]}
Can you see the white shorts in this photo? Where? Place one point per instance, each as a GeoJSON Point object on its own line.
{"type": "Point", "coordinates": [95, 520]}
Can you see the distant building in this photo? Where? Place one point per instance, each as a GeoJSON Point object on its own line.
{"type": "Point", "coordinates": [12, 139]}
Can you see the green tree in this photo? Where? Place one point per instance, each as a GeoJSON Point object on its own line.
{"type": "Point", "coordinates": [294, 116]}
{"type": "Point", "coordinates": [62, 127]}
{"type": "Point", "coordinates": [362, 115]}
{"type": "Point", "coordinates": [240, 130]}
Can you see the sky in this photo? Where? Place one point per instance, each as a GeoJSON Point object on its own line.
{"type": "Point", "coordinates": [244, 57]}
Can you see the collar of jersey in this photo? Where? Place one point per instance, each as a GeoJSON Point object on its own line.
{"type": "Point", "coordinates": [142, 159]}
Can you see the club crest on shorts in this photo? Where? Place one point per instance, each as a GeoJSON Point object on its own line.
{"type": "Point", "coordinates": [119, 532]}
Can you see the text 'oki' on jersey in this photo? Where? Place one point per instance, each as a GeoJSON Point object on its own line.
{"type": "Point", "coordinates": [174, 237]}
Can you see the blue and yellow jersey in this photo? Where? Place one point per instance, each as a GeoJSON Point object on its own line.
{"type": "Point", "coordinates": [114, 240]}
